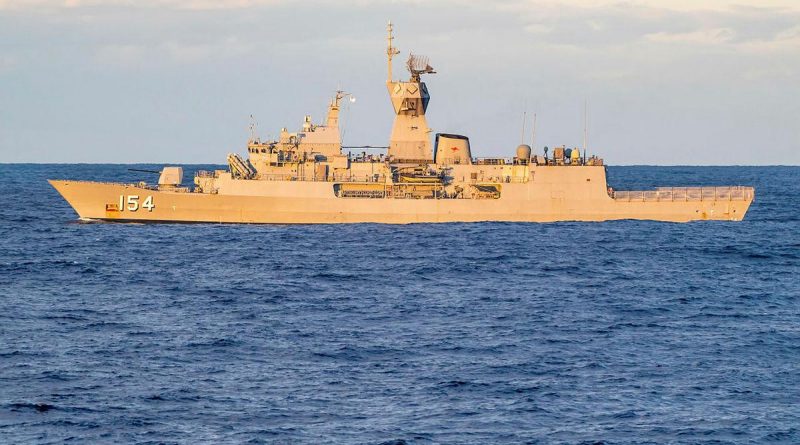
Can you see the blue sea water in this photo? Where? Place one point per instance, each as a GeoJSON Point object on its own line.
{"type": "Point", "coordinates": [612, 333]}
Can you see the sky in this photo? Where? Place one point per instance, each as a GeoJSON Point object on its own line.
{"type": "Point", "coordinates": [665, 82]}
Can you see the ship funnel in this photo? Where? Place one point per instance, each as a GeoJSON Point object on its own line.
{"type": "Point", "coordinates": [452, 149]}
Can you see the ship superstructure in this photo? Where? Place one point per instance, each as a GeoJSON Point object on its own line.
{"type": "Point", "coordinates": [306, 177]}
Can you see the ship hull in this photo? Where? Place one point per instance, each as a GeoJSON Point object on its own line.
{"type": "Point", "coordinates": [267, 202]}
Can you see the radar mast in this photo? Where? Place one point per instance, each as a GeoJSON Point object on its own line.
{"type": "Point", "coordinates": [410, 141]}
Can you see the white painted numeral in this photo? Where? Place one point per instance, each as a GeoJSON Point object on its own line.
{"type": "Point", "coordinates": [148, 203]}
{"type": "Point", "coordinates": [132, 202]}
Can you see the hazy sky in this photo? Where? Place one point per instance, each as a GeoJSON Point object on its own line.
{"type": "Point", "coordinates": [667, 81]}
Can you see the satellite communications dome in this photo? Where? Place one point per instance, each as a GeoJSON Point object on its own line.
{"type": "Point", "coordinates": [524, 151]}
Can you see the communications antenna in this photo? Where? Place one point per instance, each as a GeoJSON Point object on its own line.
{"type": "Point", "coordinates": [585, 125]}
{"type": "Point", "coordinates": [391, 51]}
{"type": "Point", "coordinates": [342, 121]}
{"type": "Point", "coordinates": [252, 128]}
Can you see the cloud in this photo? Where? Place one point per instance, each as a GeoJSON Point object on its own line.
{"type": "Point", "coordinates": [670, 5]}
{"type": "Point", "coordinates": [131, 55]}
{"type": "Point", "coordinates": [206, 5]}
{"type": "Point", "coordinates": [539, 28]}
{"type": "Point", "coordinates": [711, 36]}
{"type": "Point", "coordinates": [126, 56]}
{"type": "Point", "coordinates": [785, 40]}
{"type": "Point", "coordinates": [227, 47]}
{"type": "Point", "coordinates": [696, 26]}
{"type": "Point", "coordinates": [35, 6]}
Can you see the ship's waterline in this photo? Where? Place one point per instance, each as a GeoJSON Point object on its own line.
{"type": "Point", "coordinates": [305, 177]}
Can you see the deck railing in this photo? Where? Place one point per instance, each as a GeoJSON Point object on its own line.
{"type": "Point", "coordinates": [294, 177]}
{"type": "Point", "coordinates": [736, 193]}
{"type": "Point", "coordinates": [330, 178]}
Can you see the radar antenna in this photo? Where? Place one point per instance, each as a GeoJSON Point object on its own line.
{"type": "Point", "coordinates": [418, 65]}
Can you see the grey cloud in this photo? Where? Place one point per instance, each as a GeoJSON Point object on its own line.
{"type": "Point", "coordinates": [626, 24]}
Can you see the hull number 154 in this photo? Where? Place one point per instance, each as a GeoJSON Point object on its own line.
{"type": "Point", "coordinates": [132, 203]}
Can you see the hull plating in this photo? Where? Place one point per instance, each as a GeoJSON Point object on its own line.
{"type": "Point", "coordinates": [298, 203]}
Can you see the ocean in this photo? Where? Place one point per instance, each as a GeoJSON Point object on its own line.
{"type": "Point", "coordinates": [626, 332]}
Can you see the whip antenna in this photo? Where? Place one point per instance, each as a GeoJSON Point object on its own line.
{"type": "Point", "coordinates": [524, 118]}
{"type": "Point", "coordinates": [585, 124]}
